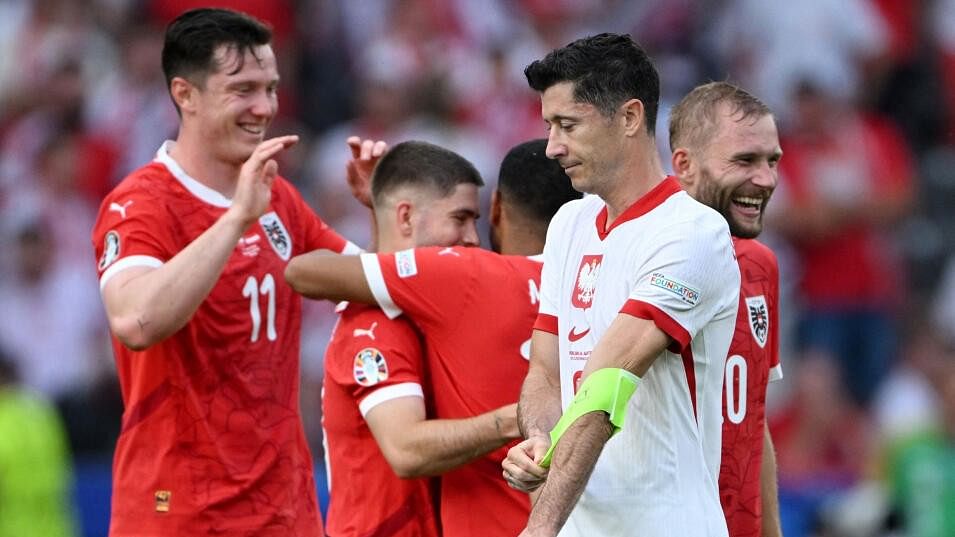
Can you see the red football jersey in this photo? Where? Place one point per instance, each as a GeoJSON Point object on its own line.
{"type": "Point", "coordinates": [370, 360]}
{"type": "Point", "coordinates": [752, 362]}
{"type": "Point", "coordinates": [212, 441]}
{"type": "Point", "coordinates": [475, 309]}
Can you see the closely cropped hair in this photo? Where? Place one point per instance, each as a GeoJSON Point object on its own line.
{"type": "Point", "coordinates": [694, 119]}
{"type": "Point", "coordinates": [607, 70]}
{"type": "Point", "coordinates": [533, 183]}
{"type": "Point", "coordinates": [193, 37]}
{"type": "Point", "coordinates": [420, 164]}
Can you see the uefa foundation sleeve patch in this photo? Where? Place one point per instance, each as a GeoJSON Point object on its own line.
{"type": "Point", "coordinates": [686, 293]}
{"type": "Point", "coordinates": [405, 263]}
{"type": "Point", "coordinates": [370, 367]}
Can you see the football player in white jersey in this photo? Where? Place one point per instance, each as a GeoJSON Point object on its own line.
{"type": "Point", "coordinates": [638, 303]}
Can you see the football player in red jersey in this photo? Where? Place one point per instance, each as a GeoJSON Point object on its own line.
{"type": "Point", "coordinates": [475, 309]}
{"type": "Point", "coordinates": [725, 154]}
{"type": "Point", "coordinates": [191, 249]}
{"type": "Point", "coordinates": [374, 397]}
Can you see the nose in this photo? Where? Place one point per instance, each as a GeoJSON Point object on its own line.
{"type": "Point", "coordinates": [766, 176]}
{"type": "Point", "coordinates": [264, 104]}
{"type": "Point", "coordinates": [469, 237]}
{"type": "Point", "coordinates": [555, 146]}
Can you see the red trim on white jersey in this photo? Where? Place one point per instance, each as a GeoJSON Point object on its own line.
{"type": "Point", "coordinates": [546, 323]}
{"type": "Point", "coordinates": [644, 310]}
{"type": "Point", "coordinates": [642, 206]}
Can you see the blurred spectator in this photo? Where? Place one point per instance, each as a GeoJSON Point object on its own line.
{"type": "Point", "coordinates": [846, 180]}
{"type": "Point", "coordinates": [822, 443]}
{"type": "Point", "coordinates": [772, 44]}
{"type": "Point", "coordinates": [921, 469]}
{"type": "Point", "coordinates": [35, 469]}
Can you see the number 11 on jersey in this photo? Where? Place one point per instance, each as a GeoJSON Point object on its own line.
{"type": "Point", "coordinates": [252, 290]}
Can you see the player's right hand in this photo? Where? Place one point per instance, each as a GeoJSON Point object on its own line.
{"type": "Point", "coordinates": [365, 154]}
{"type": "Point", "coordinates": [253, 191]}
{"type": "Point", "coordinates": [521, 470]}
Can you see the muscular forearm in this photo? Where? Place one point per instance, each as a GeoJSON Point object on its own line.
{"type": "Point", "coordinates": [769, 489]}
{"type": "Point", "coordinates": [149, 307]}
{"type": "Point", "coordinates": [539, 407]}
{"type": "Point", "coordinates": [574, 461]}
{"type": "Point", "coordinates": [433, 447]}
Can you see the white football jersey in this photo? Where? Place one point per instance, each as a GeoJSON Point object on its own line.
{"type": "Point", "coordinates": [670, 259]}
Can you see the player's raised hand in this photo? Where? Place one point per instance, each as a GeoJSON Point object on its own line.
{"type": "Point", "coordinates": [254, 189]}
{"type": "Point", "coordinates": [521, 468]}
{"type": "Point", "coordinates": [364, 155]}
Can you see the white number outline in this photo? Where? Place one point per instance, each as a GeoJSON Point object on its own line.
{"type": "Point", "coordinates": [735, 403]}
{"type": "Point", "coordinates": [252, 290]}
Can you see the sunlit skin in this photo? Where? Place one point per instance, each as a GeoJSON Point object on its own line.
{"type": "Point", "coordinates": [448, 221]}
{"type": "Point", "coordinates": [234, 108]}
{"type": "Point", "coordinates": [585, 142]}
{"type": "Point", "coordinates": [737, 172]}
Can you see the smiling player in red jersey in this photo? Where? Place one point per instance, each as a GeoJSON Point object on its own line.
{"type": "Point", "coordinates": [191, 249]}
{"type": "Point", "coordinates": [725, 153]}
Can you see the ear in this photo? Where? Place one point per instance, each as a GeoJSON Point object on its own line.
{"type": "Point", "coordinates": [404, 212]}
{"type": "Point", "coordinates": [496, 207]}
{"type": "Point", "coordinates": [183, 93]}
{"type": "Point", "coordinates": [683, 166]}
{"type": "Point", "coordinates": [634, 116]}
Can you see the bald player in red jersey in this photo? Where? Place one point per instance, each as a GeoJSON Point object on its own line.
{"type": "Point", "coordinates": [475, 309]}
{"type": "Point", "coordinates": [374, 401]}
{"type": "Point", "coordinates": [191, 250]}
{"type": "Point", "coordinates": [725, 153]}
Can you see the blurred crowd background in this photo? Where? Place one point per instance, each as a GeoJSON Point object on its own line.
{"type": "Point", "coordinates": [863, 220]}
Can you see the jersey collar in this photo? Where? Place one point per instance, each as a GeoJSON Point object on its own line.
{"type": "Point", "coordinates": [196, 188]}
{"type": "Point", "coordinates": [642, 206]}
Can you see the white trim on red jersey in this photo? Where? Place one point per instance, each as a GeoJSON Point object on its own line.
{"type": "Point", "coordinates": [388, 393]}
{"type": "Point", "coordinates": [197, 189]}
{"type": "Point", "coordinates": [376, 281]}
{"type": "Point", "coordinates": [128, 262]}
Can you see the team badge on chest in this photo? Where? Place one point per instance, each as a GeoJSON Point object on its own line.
{"type": "Point", "coordinates": [278, 236]}
{"type": "Point", "coordinates": [582, 296]}
{"type": "Point", "coordinates": [758, 318]}
{"type": "Point", "coordinates": [370, 367]}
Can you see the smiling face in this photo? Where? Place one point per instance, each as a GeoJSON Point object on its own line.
{"type": "Point", "coordinates": [234, 106]}
{"type": "Point", "coordinates": [583, 140]}
{"type": "Point", "coordinates": [737, 171]}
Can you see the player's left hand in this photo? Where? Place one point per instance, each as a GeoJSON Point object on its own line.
{"type": "Point", "coordinates": [365, 154]}
{"type": "Point", "coordinates": [521, 470]}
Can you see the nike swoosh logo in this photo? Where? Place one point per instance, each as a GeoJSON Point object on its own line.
{"type": "Point", "coordinates": [574, 335]}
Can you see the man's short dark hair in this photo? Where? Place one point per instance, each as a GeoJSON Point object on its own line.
{"type": "Point", "coordinates": [194, 36]}
{"type": "Point", "coordinates": [694, 118]}
{"type": "Point", "coordinates": [533, 183]}
{"type": "Point", "coordinates": [607, 70]}
{"type": "Point", "coordinates": [422, 165]}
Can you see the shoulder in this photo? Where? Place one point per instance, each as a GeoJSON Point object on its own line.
{"type": "Point", "coordinates": [753, 252]}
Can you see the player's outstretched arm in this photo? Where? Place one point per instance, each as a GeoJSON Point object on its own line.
{"type": "Point", "coordinates": [146, 305]}
{"type": "Point", "coordinates": [327, 276]}
{"type": "Point", "coordinates": [769, 488]}
{"type": "Point", "coordinates": [537, 412]}
{"type": "Point", "coordinates": [415, 446]}
{"type": "Point", "coordinates": [632, 344]}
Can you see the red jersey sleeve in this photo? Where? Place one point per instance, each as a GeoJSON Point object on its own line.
{"type": "Point", "coordinates": [432, 285]}
{"type": "Point", "coordinates": [132, 229]}
{"type": "Point", "coordinates": [375, 359]}
{"type": "Point", "coordinates": [317, 234]}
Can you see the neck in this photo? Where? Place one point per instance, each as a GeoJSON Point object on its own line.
{"type": "Point", "coordinates": [390, 242]}
{"type": "Point", "coordinates": [518, 235]}
{"type": "Point", "coordinates": [204, 167]}
{"type": "Point", "coordinates": [638, 174]}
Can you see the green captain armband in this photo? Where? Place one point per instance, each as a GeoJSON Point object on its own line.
{"type": "Point", "coordinates": [605, 390]}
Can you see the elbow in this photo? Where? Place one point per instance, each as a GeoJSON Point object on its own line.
{"type": "Point", "coordinates": [133, 334]}
{"type": "Point", "coordinates": [406, 465]}
{"type": "Point", "coordinates": [296, 274]}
